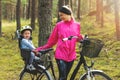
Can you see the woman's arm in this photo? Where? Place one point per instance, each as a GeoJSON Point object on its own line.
{"type": "Point", "coordinates": [80, 37]}
{"type": "Point", "coordinates": [51, 41]}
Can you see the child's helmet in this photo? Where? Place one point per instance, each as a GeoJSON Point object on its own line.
{"type": "Point", "coordinates": [25, 28]}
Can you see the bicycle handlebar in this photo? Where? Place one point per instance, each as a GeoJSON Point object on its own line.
{"type": "Point", "coordinates": [46, 50]}
{"type": "Point", "coordinates": [84, 41]}
{"type": "Point", "coordinates": [71, 37]}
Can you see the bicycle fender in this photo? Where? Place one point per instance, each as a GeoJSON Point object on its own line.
{"type": "Point", "coordinates": [91, 71]}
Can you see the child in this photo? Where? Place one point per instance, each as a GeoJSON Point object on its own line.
{"type": "Point", "coordinates": [26, 43]}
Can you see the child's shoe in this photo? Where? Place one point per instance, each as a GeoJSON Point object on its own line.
{"type": "Point", "coordinates": [30, 67]}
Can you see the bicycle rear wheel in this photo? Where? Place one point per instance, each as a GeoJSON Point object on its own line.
{"type": "Point", "coordinates": [27, 75]}
{"type": "Point", "coordinates": [35, 75]}
{"type": "Point", "coordinates": [95, 75]}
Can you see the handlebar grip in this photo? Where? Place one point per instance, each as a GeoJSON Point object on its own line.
{"type": "Point", "coordinates": [69, 38]}
{"type": "Point", "coordinates": [64, 39]}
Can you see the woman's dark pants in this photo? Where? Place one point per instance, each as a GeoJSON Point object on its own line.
{"type": "Point", "coordinates": [64, 68]}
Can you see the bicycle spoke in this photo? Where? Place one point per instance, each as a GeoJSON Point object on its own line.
{"type": "Point", "coordinates": [42, 77]}
{"type": "Point", "coordinates": [28, 76]}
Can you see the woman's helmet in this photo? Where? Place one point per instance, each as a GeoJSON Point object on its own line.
{"type": "Point", "coordinates": [25, 28]}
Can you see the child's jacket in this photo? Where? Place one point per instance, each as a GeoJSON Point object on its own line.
{"type": "Point", "coordinates": [27, 44]}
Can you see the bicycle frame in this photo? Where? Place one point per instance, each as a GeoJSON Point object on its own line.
{"type": "Point", "coordinates": [80, 62]}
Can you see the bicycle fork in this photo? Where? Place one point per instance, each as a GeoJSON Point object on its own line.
{"type": "Point", "coordinates": [90, 76]}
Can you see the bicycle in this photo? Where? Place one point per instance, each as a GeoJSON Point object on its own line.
{"type": "Point", "coordinates": [42, 71]}
{"type": "Point", "coordinates": [90, 73]}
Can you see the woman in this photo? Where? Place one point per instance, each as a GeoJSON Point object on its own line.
{"type": "Point", "coordinates": [65, 51]}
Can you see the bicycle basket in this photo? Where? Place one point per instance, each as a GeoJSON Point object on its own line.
{"type": "Point", "coordinates": [93, 49]}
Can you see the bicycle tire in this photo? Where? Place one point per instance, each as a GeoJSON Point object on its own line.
{"type": "Point", "coordinates": [35, 75]}
{"type": "Point", "coordinates": [44, 76]}
{"type": "Point", "coordinates": [96, 75]}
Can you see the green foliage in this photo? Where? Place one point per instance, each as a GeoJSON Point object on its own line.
{"type": "Point", "coordinates": [54, 21]}
{"type": "Point", "coordinates": [10, 61]}
{"type": "Point", "coordinates": [108, 60]}
{"type": "Point", "coordinates": [13, 2]}
{"type": "Point", "coordinates": [9, 1]}
{"type": "Point", "coordinates": [86, 25]}
{"type": "Point", "coordinates": [54, 8]}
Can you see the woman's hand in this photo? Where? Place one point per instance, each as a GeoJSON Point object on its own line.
{"type": "Point", "coordinates": [35, 51]}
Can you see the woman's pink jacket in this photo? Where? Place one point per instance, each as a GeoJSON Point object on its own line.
{"type": "Point", "coordinates": [65, 50]}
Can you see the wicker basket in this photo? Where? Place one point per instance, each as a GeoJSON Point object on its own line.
{"type": "Point", "coordinates": [93, 49]}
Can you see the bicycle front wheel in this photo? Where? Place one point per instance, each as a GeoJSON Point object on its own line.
{"type": "Point", "coordinates": [95, 75]}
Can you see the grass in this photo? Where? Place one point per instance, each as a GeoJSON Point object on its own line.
{"type": "Point", "coordinates": [108, 61]}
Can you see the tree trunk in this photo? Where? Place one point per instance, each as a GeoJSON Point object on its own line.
{"type": "Point", "coordinates": [28, 9]}
{"type": "Point", "coordinates": [90, 5]}
{"type": "Point", "coordinates": [66, 2]}
{"type": "Point", "coordinates": [98, 10]}
{"type": "Point", "coordinates": [45, 20]}
{"type": "Point", "coordinates": [60, 4]}
{"type": "Point", "coordinates": [78, 11]}
{"type": "Point", "coordinates": [18, 14]}
{"type": "Point", "coordinates": [33, 14]}
{"type": "Point", "coordinates": [0, 19]}
{"type": "Point", "coordinates": [102, 18]}
{"type": "Point", "coordinates": [116, 7]}
{"type": "Point", "coordinates": [109, 9]}
{"type": "Point", "coordinates": [75, 3]}
{"type": "Point", "coordinates": [24, 11]}
{"type": "Point", "coordinates": [71, 5]}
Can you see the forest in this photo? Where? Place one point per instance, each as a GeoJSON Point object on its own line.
{"type": "Point", "coordinates": [98, 19]}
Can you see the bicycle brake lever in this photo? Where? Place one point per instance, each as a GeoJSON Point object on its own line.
{"type": "Point", "coordinates": [69, 38]}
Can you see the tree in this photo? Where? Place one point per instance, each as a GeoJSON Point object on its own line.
{"type": "Point", "coordinates": [33, 14]}
{"type": "Point", "coordinates": [8, 9]}
{"type": "Point", "coordinates": [109, 9]}
{"type": "Point", "coordinates": [44, 20]}
{"type": "Point", "coordinates": [28, 9]}
{"type": "Point", "coordinates": [78, 11]}
{"type": "Point", "coordinates": [90, 5]}
{"type": "Point", "coordinates": [98, 10]}
{"type": "Point", "coordinates": [99, 13]}
{"type": "Point", "coordinates": [116, 7]}
{"type": "Point", "coordinates": [67, 2]}
{"type": "Point", "coordinates": [18, 14]}
{"type": "Point", "coordinates": [102, 19]}
{"type": "Point", "coordinates": [0, 20]}
{"type": "Point", "coordinates": [75, 8]}
{"type": "Point", "coordinates": [71, 5]}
